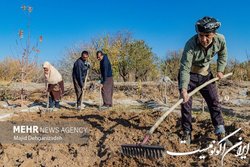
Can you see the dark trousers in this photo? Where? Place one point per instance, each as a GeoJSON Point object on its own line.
{"type": "Point", "coordinates": [53, 103]}
{"type": "Point", "coordinates": [107, 92]}
{"type": "Point", "coordinates": [210, 95]}
{"type": "Point", "coordinates": [78, 91]}
{"type": "Point", "coordinates": [55, 91]}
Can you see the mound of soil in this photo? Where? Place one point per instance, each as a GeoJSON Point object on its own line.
{"type": "Point", "coordinates": [111, 128]}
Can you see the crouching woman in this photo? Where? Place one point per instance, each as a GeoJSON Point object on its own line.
{"type": "Point", "coordinates": [54, 84]}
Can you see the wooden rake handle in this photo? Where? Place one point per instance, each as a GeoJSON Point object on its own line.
{"type": "Point", "coordinates": [158, 122]}
{"type": "Point", "coordinates": [85, 80]}
{"type": "Point", "coordinates": [84, 86]}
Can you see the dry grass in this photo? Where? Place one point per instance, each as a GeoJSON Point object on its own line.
{"type": "Point", "coordinates": [10, 70]}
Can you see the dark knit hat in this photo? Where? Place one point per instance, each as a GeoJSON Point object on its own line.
{"type": "Point", "coordinates": [207, 25]}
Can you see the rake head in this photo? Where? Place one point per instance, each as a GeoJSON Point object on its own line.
{"type": "Point", "coordinates": [146, 151]}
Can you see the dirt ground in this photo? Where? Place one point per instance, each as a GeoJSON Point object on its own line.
{"type": "Point", "coordinates": [127, 124]}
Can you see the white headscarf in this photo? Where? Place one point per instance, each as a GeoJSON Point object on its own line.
{"type": "Point", "coordinates": [53, 76]}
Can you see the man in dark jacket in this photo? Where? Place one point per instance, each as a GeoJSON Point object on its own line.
{"type": "Point", "coordinates": [79, 73]}
{"type": "Point", "coordinates": [107, 82]}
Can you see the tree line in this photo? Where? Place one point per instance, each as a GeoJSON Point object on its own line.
{"type": "Point", "coordinates": [132, 60]}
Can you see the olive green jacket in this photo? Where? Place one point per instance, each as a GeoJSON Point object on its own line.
{"type": "Point", "coordinates": [196, 55]}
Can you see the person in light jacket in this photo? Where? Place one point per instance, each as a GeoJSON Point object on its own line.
{"type": "Point", "coordinates": [54, 84]}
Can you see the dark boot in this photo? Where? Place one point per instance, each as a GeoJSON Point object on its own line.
{"type": "Point", "coordinates": [228, 143]}
{"type": "Point", "coordinates": [57, 105]}
{"type": "Point", "coordinates": [51, 102]}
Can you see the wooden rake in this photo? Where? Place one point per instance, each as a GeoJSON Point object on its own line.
{"type": "Point", "coordinates": [154, 151]}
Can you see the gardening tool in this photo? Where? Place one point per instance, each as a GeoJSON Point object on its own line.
{"type": "Point", "coordinates": [151, 151]}
{"type": "Point", "coordinates": [48, 94]}
{"type": "Point", "coordinates": [47, 105]}
{"type": "Point", "coordinates": [84, 88]}
{"type": "Point", "coordinates": [100, 98]}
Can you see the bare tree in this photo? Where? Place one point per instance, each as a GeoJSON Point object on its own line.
{"type": "Point", "coordinates": [28, 50]}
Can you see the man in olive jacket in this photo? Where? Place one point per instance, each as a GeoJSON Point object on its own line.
{"type": "Point", "coordinates": [198, 53]}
